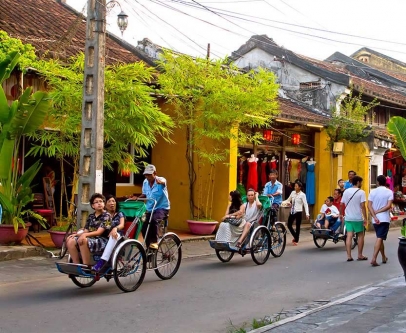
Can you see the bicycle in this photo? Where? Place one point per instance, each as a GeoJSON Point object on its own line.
{"type": "Point", "coordinates": [71, 227]}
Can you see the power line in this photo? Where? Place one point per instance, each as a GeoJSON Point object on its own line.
{"type": "Point", "coordinates": [290, 24]}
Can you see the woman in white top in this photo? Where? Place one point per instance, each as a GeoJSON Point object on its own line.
{"type": "Point", "coordinates": [296, 201]}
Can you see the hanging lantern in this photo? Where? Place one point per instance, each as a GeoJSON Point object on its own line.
{"type": "Point", "coordinates": [126, 173]}
{"type": "Point", "coordinates": [267, 135]}
{"type": "Point", "coordinates": [295, 139]}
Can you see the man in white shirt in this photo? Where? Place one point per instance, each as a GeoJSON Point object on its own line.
{"type": "Point", "coordinates": [329, 215]}
{"type": "Point", "coordinates": [379, 203]}
{"type": "Point", "coordinates": [353, 202]}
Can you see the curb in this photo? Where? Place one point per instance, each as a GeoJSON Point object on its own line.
{"type": "Point", "coordinates": [19, 252]}
{"type": "Point", "coordinates": [334, 301]}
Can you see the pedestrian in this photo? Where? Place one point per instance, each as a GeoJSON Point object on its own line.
{"type": "Point", "coordinates": [353, 205]}
{"type": "Point", "coordinates": [379, 203]}
{"type": "Point", "coordinates": [297, 200]}
{"type": "Point", "coordinates": [348, 183]}
{"type": "Point", "coordinates": [341, 185]}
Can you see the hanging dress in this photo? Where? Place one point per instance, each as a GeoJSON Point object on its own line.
{"type": "Point", "coordinates": [252, 181]}
{"type": "Point", "coordinates": [311, 184]}
{"type": "Point", "coordinates": [273, 164]}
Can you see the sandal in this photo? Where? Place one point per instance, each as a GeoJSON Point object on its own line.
{"type": "Point", "coordinates": [362, 258]}
{"type": "Point", "coordinates": [350, 259]}
{"type": "Point", "coordinates": [385, 261]}
{"type": "Point", "coordinates": [374, 264]}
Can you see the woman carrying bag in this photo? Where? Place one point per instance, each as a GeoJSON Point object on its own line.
{"type": "Point", "coordinates": [296, 201]}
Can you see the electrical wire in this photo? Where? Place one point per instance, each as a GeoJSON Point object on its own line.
{"type": "Point", "coordinates": [190, 39]}
{"type": "Point", "coordinates": [186, 3]}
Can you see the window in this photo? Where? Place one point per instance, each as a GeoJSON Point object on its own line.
{"type": "Point", "coordinates": [374, 175]}
{"type": "Point", "coordinates": [309, 85]}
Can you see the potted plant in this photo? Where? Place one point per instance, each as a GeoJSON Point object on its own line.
{"type": "Point", "coordinates": [21, 117]}
{"type": "Point", "coordinates": [397, 127]}
{"type": "Point", "coordinates": [58, 232]}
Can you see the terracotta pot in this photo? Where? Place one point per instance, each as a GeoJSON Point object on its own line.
{"type": "Point", "coordinates": [57, 237]}
{"type": "Point", "coordinates": [402, 253]}
{"type": "Point", "coordinates": [201, 227]}
{"type": "Point", "coordinates": [8, 235]}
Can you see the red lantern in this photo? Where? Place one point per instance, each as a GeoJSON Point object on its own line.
{"type": "Point", "coordinates": [126, 173]}
{"type": "Point", "coordinates": [268, 135]}
{"type": "Point", "coordinates": [295, 139]}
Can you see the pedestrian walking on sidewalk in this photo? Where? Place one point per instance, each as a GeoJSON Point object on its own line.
{"type": "Point", "coordinates": [296, 201]}
{"type": "Point", "coordinates": [379, 203]}
{"type": "Point", "coordinates": [353, 204]}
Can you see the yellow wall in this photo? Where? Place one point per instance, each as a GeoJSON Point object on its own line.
{"type": "Point", "coordinates": [355, 158]}
{"type": "Point", "coordinates": [324, 171]}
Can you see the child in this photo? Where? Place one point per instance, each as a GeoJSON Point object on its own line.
{"type": "Point", "coordinates": [114, 231]}
{"type": "Point", "coordinates": [91, 239]}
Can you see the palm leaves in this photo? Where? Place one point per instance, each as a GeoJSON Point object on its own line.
{"type": "Point", "coordinates": [21, 117]}
{"type": "Point", "coordinates": [397, 127]}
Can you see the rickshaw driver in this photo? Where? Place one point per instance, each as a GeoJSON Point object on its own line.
{"type": "Point", "coordinates": [154, 187]}
{"type": "Point", "coordinates": [274, 189]}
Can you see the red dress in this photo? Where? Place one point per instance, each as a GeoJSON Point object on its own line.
{"type": "Point", "coordinates": [273, 165]}
{"type": "Point", "coordinates": [252, 181]}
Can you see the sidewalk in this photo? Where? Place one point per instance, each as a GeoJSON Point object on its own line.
{"type": "Point", "coordinates": [192, 245]}
{"type": "Point", "coordinates": [376, 309]}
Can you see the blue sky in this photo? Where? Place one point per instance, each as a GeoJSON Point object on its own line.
{"type": "Point", "coordinates": [163, 23]}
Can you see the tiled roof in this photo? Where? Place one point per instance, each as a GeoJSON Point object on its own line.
{"type": "Point", "coordinates": [378, 91]}
{"type": "Point", "coordinates": [44, 24]}
{"type": "Point", "coordinates": [380, 132]}
{"type": "Point", "coordinates": [300, 114]}
{"type": "Point", "coordinates": [397, 75]}
{"type": "Point", "coordinates": [325, 65]}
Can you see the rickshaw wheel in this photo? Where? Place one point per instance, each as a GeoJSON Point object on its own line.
{"type": "Point", "coordinates": [130, 266]}
{"type": "Point", "coordinates": [168, 257]}
{"type": "Point", "coordinates": [224, 256]}
{"type": "Point", "coordinates": [278, 237]}
{"type": "Point", "coordinates": [260, 245]}
{"type": "Point", "coordinates": [354, 241]}
{"type": "Point", "coordinates": [319, 242]}
{"type": "Point", "coordinates": [81, 281]}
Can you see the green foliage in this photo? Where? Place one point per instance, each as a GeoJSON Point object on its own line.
{"type": "Point", "coordinates": [397, 127]}
{"type": "Point", "coordinates": [8, 44]}
{"type": "Point", "coordinates": [348, 123]}
{"type": "Point", "coordinates": [22, 117]}
{"type": "Point", "coordinates": [256, 323]}
{"type": "Point", "coordinates": [212, 100]}
{"type": "Point", "coordinates": [131, 114]}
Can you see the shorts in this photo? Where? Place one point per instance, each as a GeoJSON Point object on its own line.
{"type": "Point", "coordinates": [381, 230]}
{"type": "Point", "coordinates": [354, 226]}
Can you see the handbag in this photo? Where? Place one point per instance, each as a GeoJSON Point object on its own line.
{"type": "Point", "coordinates": [233, 221]}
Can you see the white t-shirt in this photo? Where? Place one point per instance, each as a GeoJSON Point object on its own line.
{"type": "Point", "coordinates": [332, 210]}
{"type": "Point", "coordinates": [379, 198]}
{"type": "Point", "coordinates": [353, 210]}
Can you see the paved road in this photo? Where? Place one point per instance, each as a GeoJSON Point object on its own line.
{"type": "Point", "coordinates": [204, 296]}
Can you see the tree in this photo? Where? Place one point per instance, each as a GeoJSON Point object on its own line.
{"type": "Point", "coordinates": [348, 122]}
{"type": "Point", "coordinates": [212, 100]}
{"type": "Point", "coordinates": [131, 114]}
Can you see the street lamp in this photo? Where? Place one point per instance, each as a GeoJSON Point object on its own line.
{"type": "Point", "coordinates": [122, 21]}
{"type": "Point", "coordinates": [122, 18]}
{"type": "Point", "coordinates": [92, 136]}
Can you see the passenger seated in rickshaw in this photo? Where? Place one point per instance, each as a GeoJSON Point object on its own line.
{"type": "Point", "coordinates": [228, 232]}
{"type": "Point", "coordinates": [114, 232]}
{"type": "Point", "coordinates": [329, 216]}
{"type": "Point", "coordinates": [90, 239]}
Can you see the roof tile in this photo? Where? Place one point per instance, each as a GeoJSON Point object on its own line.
{"type": "Point", "coordinates": [44, 29]}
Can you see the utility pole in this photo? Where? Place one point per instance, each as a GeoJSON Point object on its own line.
{"type": "Point", "coordinates": [92, 137]}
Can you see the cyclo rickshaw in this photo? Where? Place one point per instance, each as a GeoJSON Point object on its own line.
{"type": "Point", "coordinates": [130, 258]}
{"type": "Point", "coordinates": [321, 236]}
{"type": "Point", "coordinates": [266, 236]}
